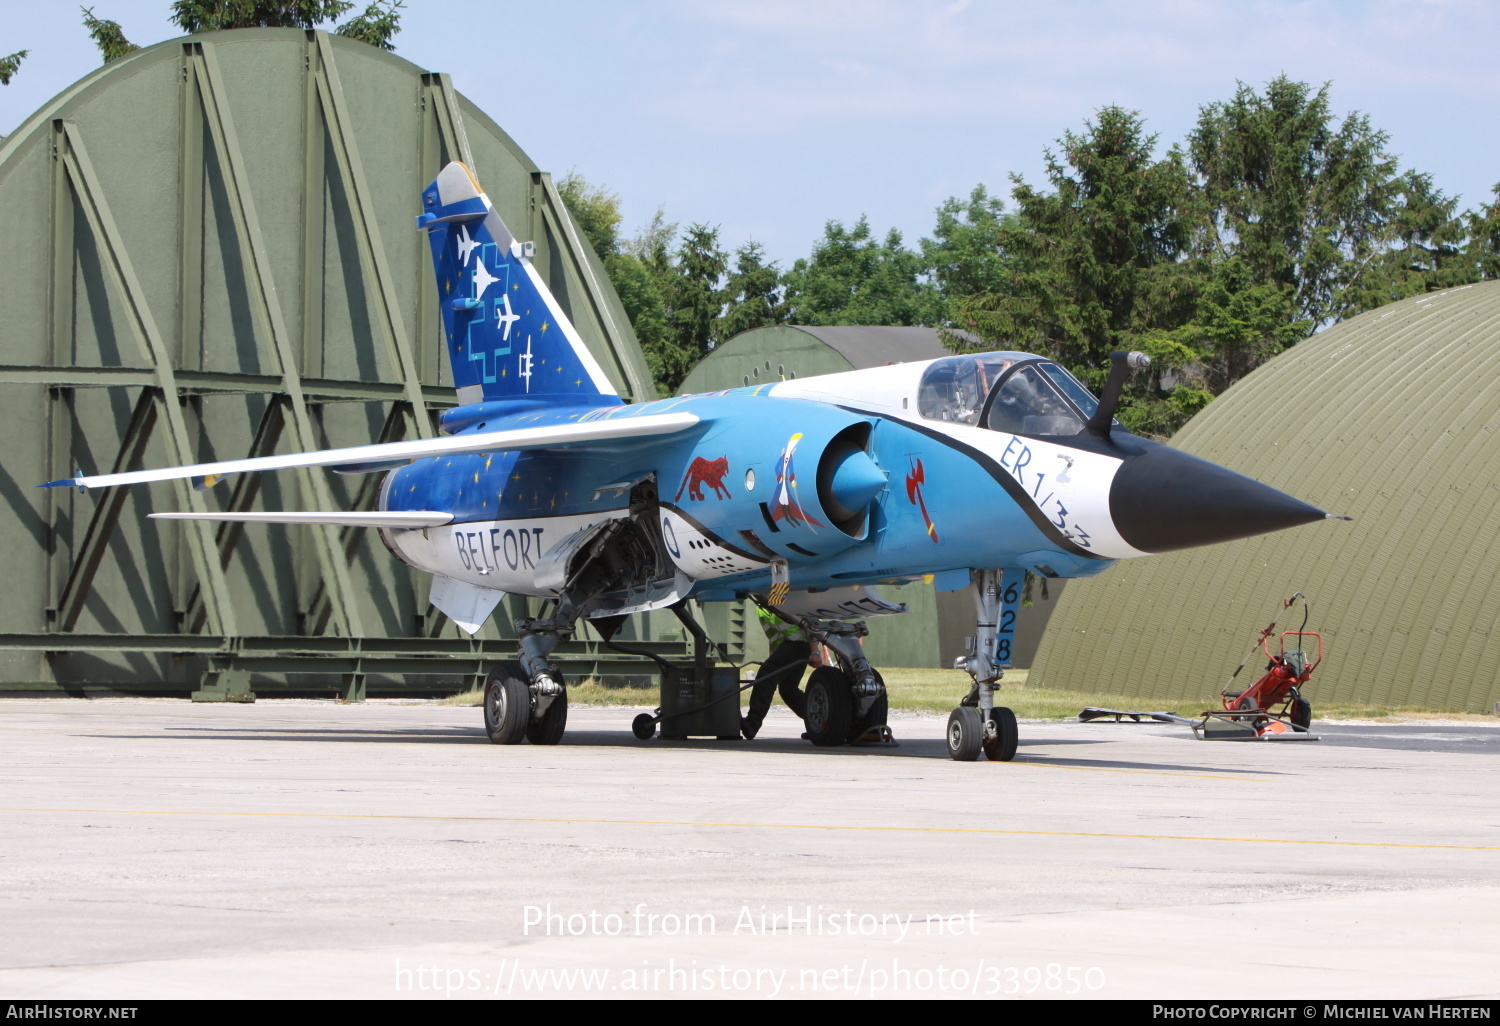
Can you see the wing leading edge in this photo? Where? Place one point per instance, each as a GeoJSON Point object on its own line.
{"type": "Point", "coordinates": [381, 518]}
{"type": "Point", "coordinates": [546, 437]}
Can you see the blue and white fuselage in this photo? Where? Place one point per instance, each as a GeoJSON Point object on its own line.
{"type": "Point", "coordinates": [545, 483]}
{"type": "Point", "coordinates": [750, 483]}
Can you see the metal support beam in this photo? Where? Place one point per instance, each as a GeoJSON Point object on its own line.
{"type": "Point", "coordinates": [91, 199]}
{"type": "Point", "coordinates": [106, 512]}
{"type": "Point", "coordinates": [314, 390]}
{"type": "Point", "coordinates": [351, 538]}
{"type": "Point", "coordinates": [386, 305]}
{"type": "Point", "coordinates": [242, 498]}
{"type": "Point", "coordinates": [443, 100]}
{"type": "Point", "coordinates": [266, 305]}
{"type": "Point", "coordinates": [190, 227]}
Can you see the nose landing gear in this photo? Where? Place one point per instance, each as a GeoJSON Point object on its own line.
{"type": "Point", "coordinates": [978, 725]}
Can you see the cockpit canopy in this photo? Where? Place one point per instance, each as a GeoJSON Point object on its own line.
{"type": "Point", "coordinates": [1014, 392]}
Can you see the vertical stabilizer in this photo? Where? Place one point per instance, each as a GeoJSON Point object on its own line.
{"type": "Point", "coordinates": [507, 337]}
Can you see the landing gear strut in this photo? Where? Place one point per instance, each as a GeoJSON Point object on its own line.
{"type": "Point", "coordinates": [978, 724]}
{"type": "Point", "coordinates": [605, 570]}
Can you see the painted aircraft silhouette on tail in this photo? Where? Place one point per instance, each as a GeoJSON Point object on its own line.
{"type": "Point", "coordinates": [969, 470]}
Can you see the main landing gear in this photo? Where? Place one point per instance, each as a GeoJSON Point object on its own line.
{"type": "Point", "coordinates": [978, 725]}
{"type": "Point", "coordinates": [844, 704]}
{"type": "Point", "coordinates": [529, 700]}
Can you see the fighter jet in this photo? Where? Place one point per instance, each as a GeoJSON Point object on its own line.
{"type": "Point", "coordinates": [968, 471]}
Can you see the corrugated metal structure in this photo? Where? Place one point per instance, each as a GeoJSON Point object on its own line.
{"type": "Point", "coordinates": [792, 350]}
{"type": "Point", "coordinates": [1392, 417]}
{"type": "Point", "coordinates": [207, 252]}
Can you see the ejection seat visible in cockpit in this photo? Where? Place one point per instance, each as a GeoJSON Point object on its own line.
{"type": "Point", "coordinates": [1010, 392]}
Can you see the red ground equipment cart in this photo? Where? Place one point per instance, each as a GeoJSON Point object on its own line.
{"type": "Point", "coordinates": [1273, 707]}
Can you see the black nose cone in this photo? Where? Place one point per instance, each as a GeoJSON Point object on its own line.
{"type": "Point", "coordinates": [1163, 500]}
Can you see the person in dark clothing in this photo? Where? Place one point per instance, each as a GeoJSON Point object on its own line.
{"type": "Point", "coordinates": [789, 646]}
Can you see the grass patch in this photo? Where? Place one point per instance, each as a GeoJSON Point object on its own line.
{"type": "Point", "coordinates": [938, 691]}
{"type": "Point", "coordinates": [928, 691]}
{"type": "Point", "coordinates": [585, 692]}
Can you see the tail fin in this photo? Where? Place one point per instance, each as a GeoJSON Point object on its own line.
{"type": "Point", "coordinates": [507, 337]}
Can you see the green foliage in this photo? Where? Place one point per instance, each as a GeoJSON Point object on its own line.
{"type": "Point", "coordinates": [640, 293]}
{"type": "Point", "coordinates": [1096, 264]}
{"type": "Point", "coordinates": [1483, 250]}
{"type": "Point", "coordinates": [1428, 251]}
{"type": "Point", "coordinates": [375, 25]}
{"type": "Point", "coordinates": [853, 279]}
{"type": "Point", "coordinates": [108, 36]}
{"type": "Point", "coordinates": [966, 256]}
{"type": "Point", "coordinates": [753, 294]}
{"type": "Point", "coordinates": [9, 65]}
{"type": "Point", "coordinates": [215, 15]}
{"type": "Point", "coordinates": [642, 275]}
{"type": "Point", "coordinates": [695, 297]}
{"type": "Point", "coordinates": [1279, 219]}
{"type": "Point", "coordinates": [596, 210]}
{"type": "Point", "coordinates": [380, 21]}
{"type": "Point", "coordinates": [1276, 219]}
{"type": "Point", "coordinates": [1305, 201]}
{"type": "Point", "coordinates": [1241, 322]}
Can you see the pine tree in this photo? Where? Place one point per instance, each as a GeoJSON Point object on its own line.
{"type": "Point", "coordinates": [1303, 199]}
{"type": "Point", "coordinates": [1095, 265]}
{"type": "Point", "coordinates": [753, 294]}
{"type": "Point", "coordinates": [1483, 249]}
{"type": "Point", "coordinates": [9, 66]}
{"type": "Point", "coordinates": [107, 36]}
{"type": "Point", "coordinates": [695, 298]}
{"type": "Point", "coordinates": [376, 25]}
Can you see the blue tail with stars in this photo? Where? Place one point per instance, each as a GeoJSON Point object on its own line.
{"type": "Point", "coordinates": [507, 337]}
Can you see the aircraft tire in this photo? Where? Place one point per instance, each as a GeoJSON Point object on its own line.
{"type": "Point", "coordinates": [830, 707]}
{"type": "Point", "coordinates": [1007, 736]}
{"type": "Point", "coordinates": [549, 729]}
{"type": "Point", "coordinates": [507, 705]}
{"type": "Point", "coordinates": [965, 734]}
{"type": "Point", "coordinates": [1301, 713]}
{"type": "Point", "coordinates": [643, 726]}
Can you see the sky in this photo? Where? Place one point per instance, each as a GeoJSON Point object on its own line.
{"type": "Point", "coordinates": [769, 118]}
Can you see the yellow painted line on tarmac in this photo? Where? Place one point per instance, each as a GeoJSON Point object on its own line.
{"type": "Point", "coordinates": [762, 826]}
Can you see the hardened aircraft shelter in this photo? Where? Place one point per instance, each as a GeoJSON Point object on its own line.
{"type": "Point", "coordinates": [207, 252]}
{"type": "Point", "coordinates": [1391, 417]}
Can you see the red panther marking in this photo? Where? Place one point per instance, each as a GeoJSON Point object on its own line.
{"type": "Point", "coordinates": [701, 472]}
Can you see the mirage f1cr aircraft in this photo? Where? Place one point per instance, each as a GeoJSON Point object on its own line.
{"type": "Point", "coordinates": [968, 470]}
